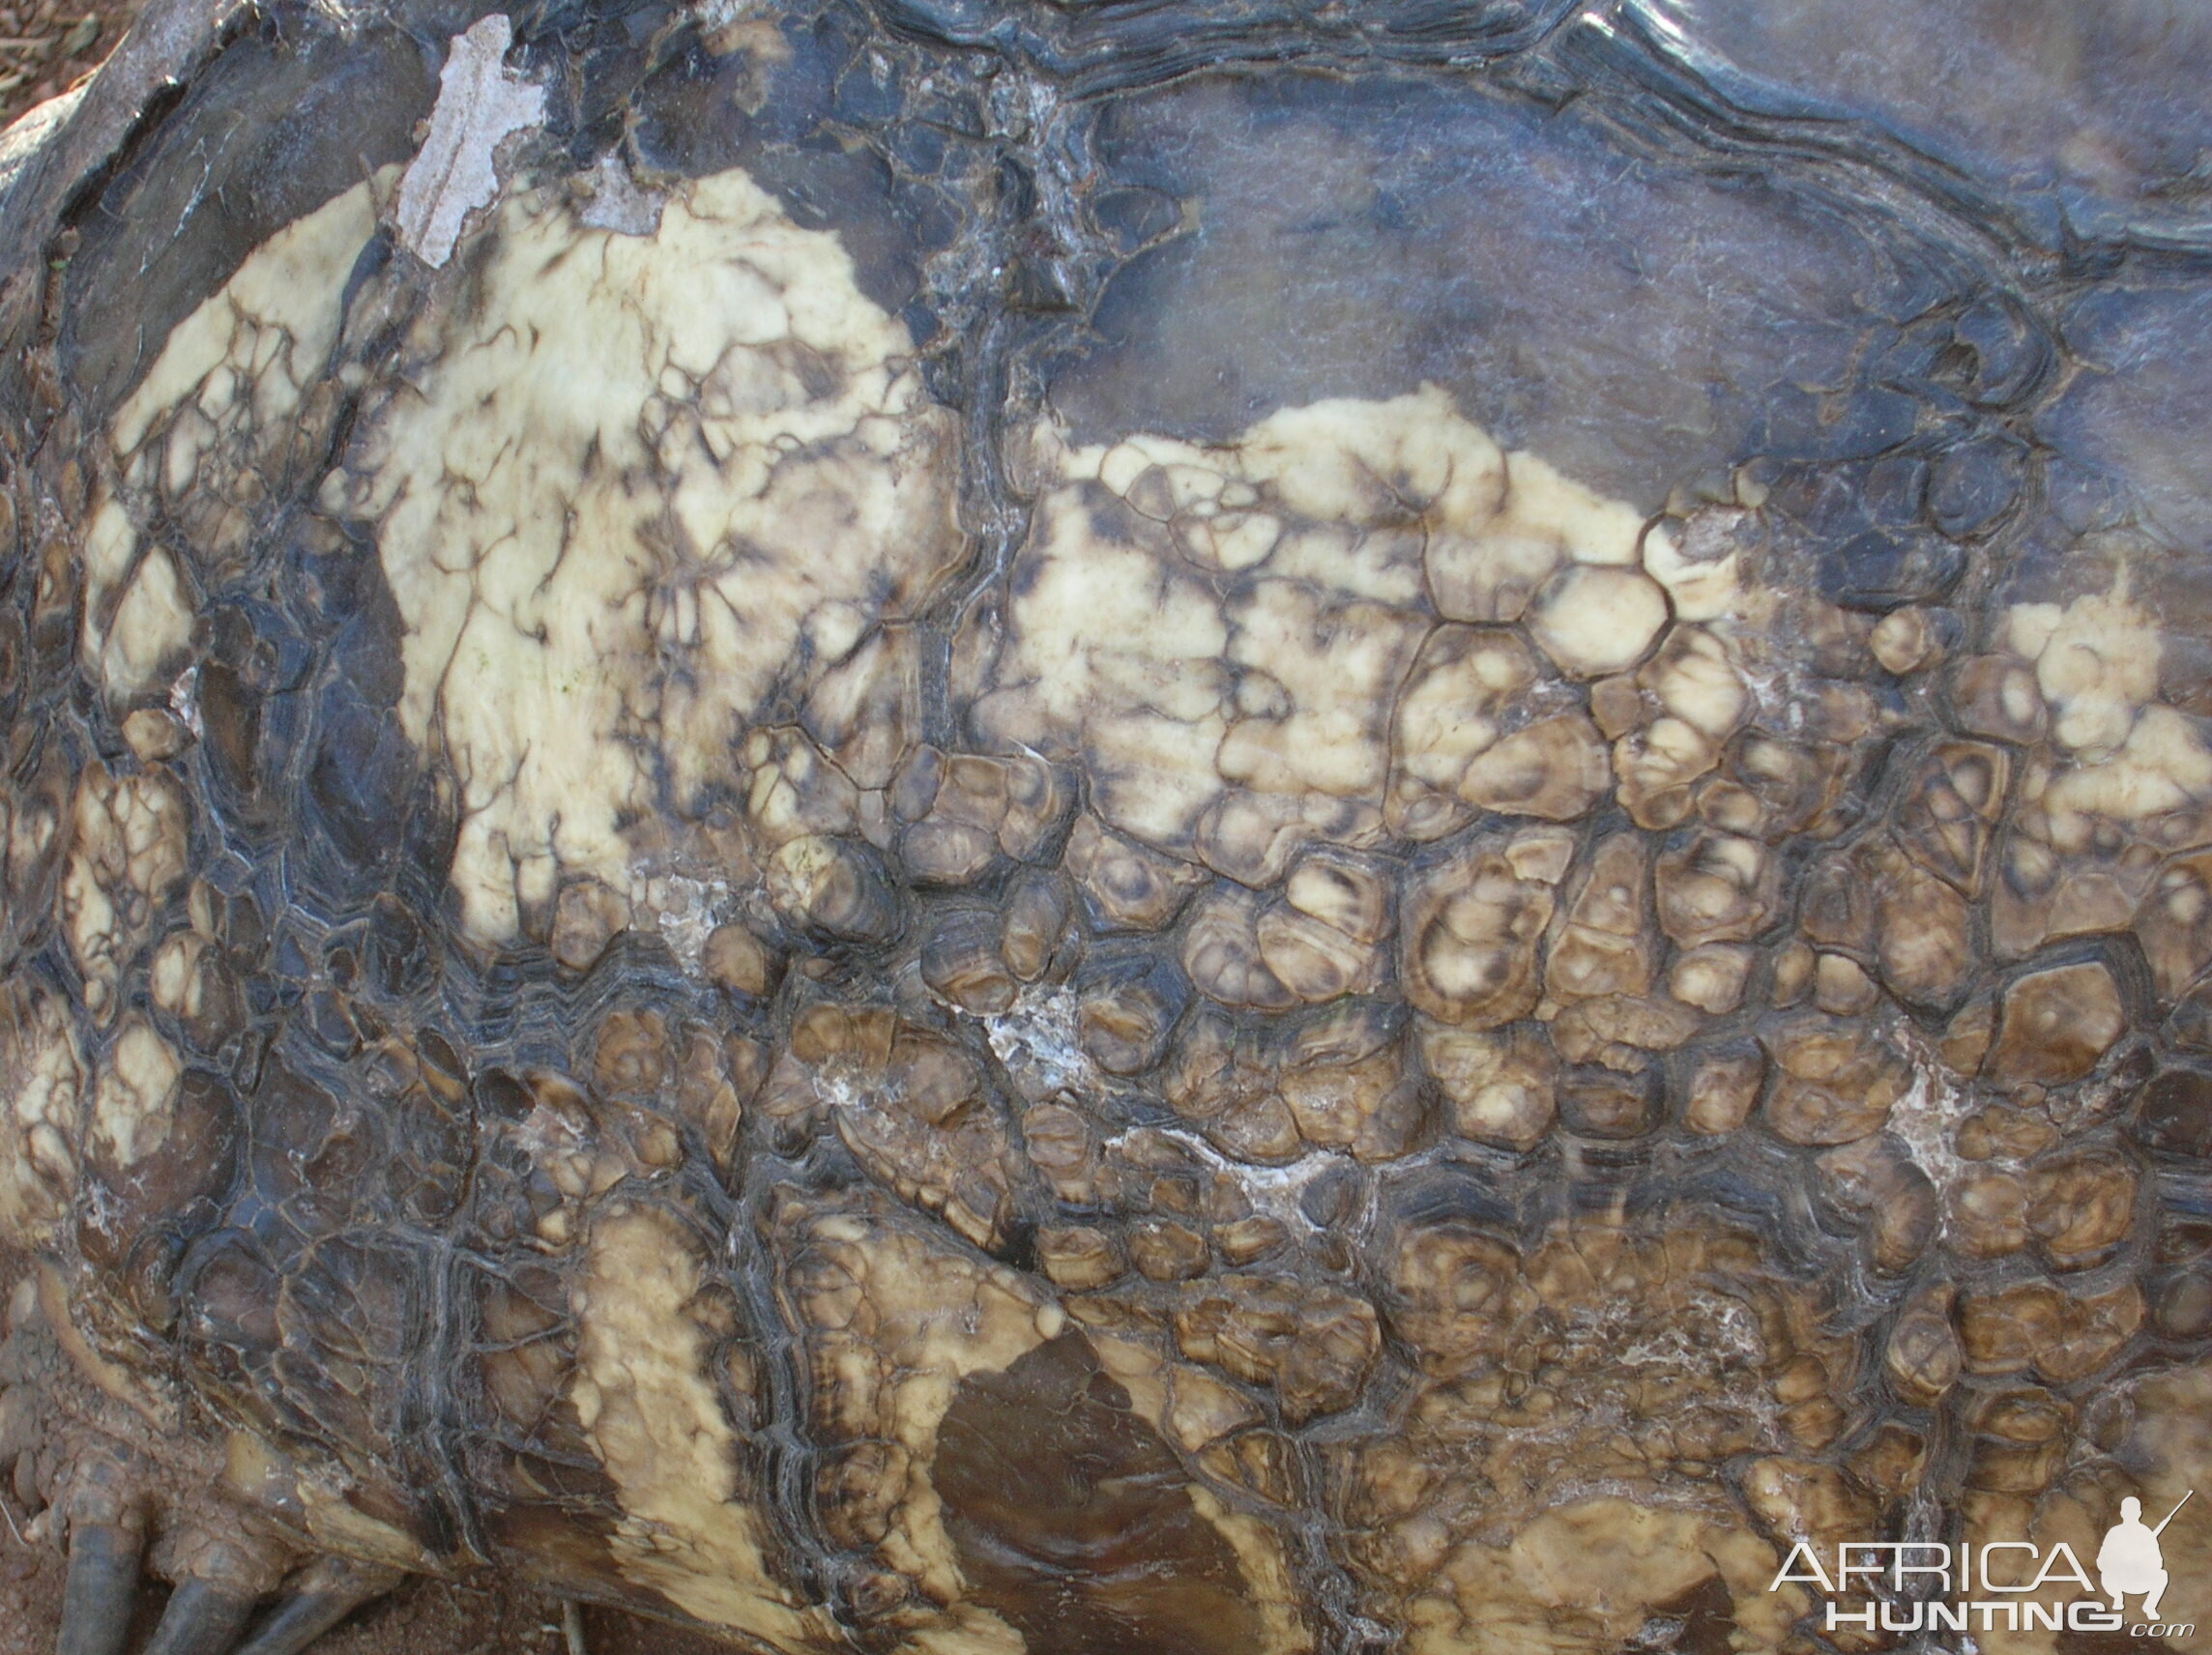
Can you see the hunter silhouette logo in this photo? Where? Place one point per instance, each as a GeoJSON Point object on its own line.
{"type": "Point", "coordinates": [2130, 1560]}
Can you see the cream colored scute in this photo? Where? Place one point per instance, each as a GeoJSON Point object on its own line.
{"type": "Point", "coordinates": [1589, 1574]}
{"type": "Point", "coordinates": [270, 329]}
{"type": "Point", "coordinates": [2096, 660]}
{"type": "Point", "coordinates": [941, 1315]}
{"type": "Point", "coordinates": [1185, 1402]}
{"type": "Point", "coordinates": [41, 1089]}
{"type": "Point", "coordinates": [642, 1393]}
{"type": "Point", "coordinates": [132, 631]}
{"type": "Point", "coordinates": [1118, 643]}
{"type": "Point", "coordinates": [2130, 757]}
{"type": "Point", "coordinates": [1219, 632]}
{"type": "Point", "coordinates": [135, 1103]}
{"type": "Point", "coordinates": [900, 1319]}
{"type": "Point", "coordinates": [227, 386]}
{"type": "Point", "coordinates": [622, 491]}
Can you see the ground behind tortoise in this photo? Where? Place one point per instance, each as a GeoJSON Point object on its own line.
{"type": "Point", "coordinates": [46, 47]}
{"type": "Point", "coordinates": [426, 1617]}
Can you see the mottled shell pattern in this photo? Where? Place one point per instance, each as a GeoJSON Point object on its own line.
{"type": "Point", "coordinates": [1201, 827]}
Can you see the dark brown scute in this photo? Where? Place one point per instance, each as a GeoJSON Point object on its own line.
{"type": "Point", "coordinates": [1073, 1521]}
{"type": "Point", "coordinates": [1697, 1621]}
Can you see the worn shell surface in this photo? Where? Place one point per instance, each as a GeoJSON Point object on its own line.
{"type": "Point", "coordinates": [1201, 828]}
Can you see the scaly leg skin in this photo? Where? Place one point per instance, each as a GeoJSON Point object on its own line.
{"type": "Point", "coordinates": [1021, 829]}
{"type": "Point", "coordinates": [101, 1482]}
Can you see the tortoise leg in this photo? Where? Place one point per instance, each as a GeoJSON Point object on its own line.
{"type": "Point", "coordinates": [102, 1588]}
{"type": "Point", "coordinates": [204, 1617]}
{"type": "Point", "coordinates": [315, 1600]}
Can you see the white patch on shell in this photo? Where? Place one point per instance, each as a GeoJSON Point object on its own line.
{"type": "Point", "coordinates": [1037, 1039]}
{"type": "Point", "coordinates": [1926, 1119]}
{"type": "Point", "coordinates": [219, 422]}
{"type": "Point", "coordinates": [1274, 1192]}
{"type": "Point", "coordinates": [623, 493]}
{"type": "Point", "coordinates": [2096, 660]}
{"type": "Point", "coordinates": [2164, 766]}
{"type": "Point", "coordinates": [129, 858]}
{"type": "Point", "coordinates": [616, 203]}
{"type": "Point", "coordinates": [687, 911]}
{"type": "Point", "coordinates": [184, 699]}
{"type": "Point", "coordinates": [481, 103]}
{"type": "Point", "coordinates": [137, 615]}
{"type": "Point", "coordinates": [257, 344]}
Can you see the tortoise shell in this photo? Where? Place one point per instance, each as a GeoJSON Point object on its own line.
{"type": "Point", "coordinates": [1204, 828]}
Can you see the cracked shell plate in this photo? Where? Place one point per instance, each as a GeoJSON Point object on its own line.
{"type": "Point", "coordinates": [989, 829]}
